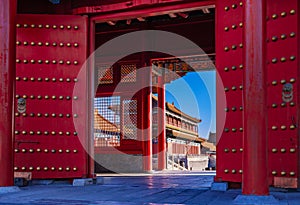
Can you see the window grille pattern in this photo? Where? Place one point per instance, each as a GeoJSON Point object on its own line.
{"type": "Point", "coordinates": [130, 119]}
{"type": "Point", "coordinates": [105, 74]}
{"type": "Point", "coordinates": [107, 121]}
{"type": "Point", "coordinates": [128, 73]}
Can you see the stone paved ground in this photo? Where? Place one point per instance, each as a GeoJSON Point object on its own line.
{"type": "Point", "coordinates": [149, 189]}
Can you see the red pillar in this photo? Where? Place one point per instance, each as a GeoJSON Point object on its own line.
{"type": "Point", "coordinates": [146, 111]}
{"type": "Point", "coordinates": [147, 129]}
{"type": "Point", "coordinates": [161, 125]}
{"type": "Point", "coordinates": [255, 174]}
{"type": "Point", "coordinates": [7, 75]}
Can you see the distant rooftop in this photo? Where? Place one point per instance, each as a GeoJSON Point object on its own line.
{"type": "Point", "coordinates": [172, 108]}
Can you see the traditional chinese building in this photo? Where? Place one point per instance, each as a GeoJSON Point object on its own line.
{"type": "Point", "coordinates": [183, 142]}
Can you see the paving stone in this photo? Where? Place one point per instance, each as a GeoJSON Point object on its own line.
{"type": "Point", "coordinates": [9, 189]}
{"type": "Point", "coordinates": [159, 189]}
{"type": "Point", "coordinates": [82, 182]}
{"type": "Point", "coordinates": [255, 200]}
{"type": "Point", "coordinates": [219, 186]}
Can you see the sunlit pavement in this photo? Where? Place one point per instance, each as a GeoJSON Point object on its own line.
{"type": "Point", "coordinates": [137, 189]}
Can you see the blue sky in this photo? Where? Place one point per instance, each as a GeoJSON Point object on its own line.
{"type": "Point", "coordinates": [195, 94]}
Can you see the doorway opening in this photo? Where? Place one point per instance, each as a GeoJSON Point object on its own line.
{"type": "Point", "coordinates": [126, 118]}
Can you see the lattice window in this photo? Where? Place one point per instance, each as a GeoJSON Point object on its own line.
{"type": "Point", "coordinates": [107, 121]}
{"type": "Point", "coordinates": [128, 73]}
{"type": "Point", "coordinates": [130, 119]}
{"type": "Point", "coordinates": [105, 74]}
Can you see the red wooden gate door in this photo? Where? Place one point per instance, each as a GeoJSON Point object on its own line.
{"type": "Point", "coordinates": [283, 92]}
{"type": "Point", "coordinates": [229, 50]}
{"type": "Point", "coordinates": [50, 52]}
{"type": "Point", "coordinates": [282, 47]}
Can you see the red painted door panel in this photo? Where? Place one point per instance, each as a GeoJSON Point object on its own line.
{"type": "Point", "coordinates": [229, 60]}
{"type": "Point", "coordinates": [283, 108]}
{"type": "Point", "coordinates": [50, 52]}
{"type": "Point", "coordinates": [282, 94]}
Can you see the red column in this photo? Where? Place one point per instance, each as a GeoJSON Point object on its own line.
{"type": "Point", "coordinates": [161, 125]}
{"type": "Point", "coordinates": [146, 111]}
{"type": "Point", "coordinates": [255, 174]}
{"type": "Point", "coordinates": [7, 75]}
{"type": "Point", "coordinates": [147, 129]}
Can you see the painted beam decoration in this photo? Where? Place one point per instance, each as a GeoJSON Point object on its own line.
{"type": "Point", "coordinates": [176, 67]}
{"type": "Point", "coordinates": [186, 63]}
